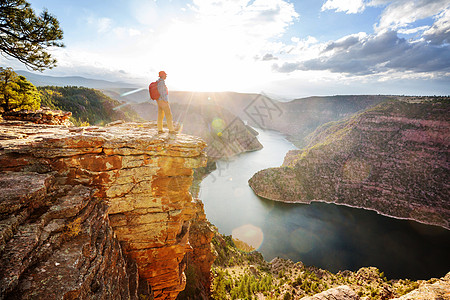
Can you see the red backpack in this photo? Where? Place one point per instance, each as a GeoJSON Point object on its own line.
{"type": "Point", "coordinates": [153, 89]}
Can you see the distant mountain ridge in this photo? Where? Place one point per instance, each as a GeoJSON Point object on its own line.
{"type": "Point", "coordinates": [43, 80]}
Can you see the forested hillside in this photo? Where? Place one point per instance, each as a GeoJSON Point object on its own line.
{"type": "Point", "coordinates": [87, 105]}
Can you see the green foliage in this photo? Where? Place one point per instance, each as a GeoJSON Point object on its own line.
{"type": "Point", "coordinates": [407, 286]}
{"type": "Point", "coordinates": [26, 36]}
{"type": "Point", "coordinates": [88, 106]}
{"type": "Point", "coordinates": [245, 286]}
{"type": "Point", "coordinates": [218, 285]}
{"type": "Point", "coordinates": [16, 92]}
{"type": "Point", "coordinates": [240, 281]}
{"type": "Point", "coordinates": [298, 281]}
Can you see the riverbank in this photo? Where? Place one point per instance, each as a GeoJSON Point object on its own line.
{"type": "Point", "coordinates": [240, 274]}
{"type": "Point", "coordinates": [392, 159]}
{"type": "Point", "coordinates": [324, 235]}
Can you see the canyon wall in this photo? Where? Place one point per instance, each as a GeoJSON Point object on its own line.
{"type": "Point", "coordinates": [112, 199]}
{"type": "Point", "coordinates": [393, 158]}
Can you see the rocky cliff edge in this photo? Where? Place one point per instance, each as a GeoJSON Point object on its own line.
{"type": "Point", "coordinates": [97, 212]}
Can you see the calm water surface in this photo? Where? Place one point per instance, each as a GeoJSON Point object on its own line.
{"type": "Point", "coordinates": [324, 235]}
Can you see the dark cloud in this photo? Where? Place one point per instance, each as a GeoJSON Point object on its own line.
{"type": "Point", "coordinates": [269, 56]}
{"type": "Point", "coordinates": [438, 38]}
{"type": "Point", "coordinates": [439, 33]}
{"type": "Point", "coordinates": [376, 54]}
{"type": "Point", "coordinates": [342, 44]}
{"type": "Point", "coordinates": [422, 57]}
{"type": "Point", "coordinates": [287, 67]}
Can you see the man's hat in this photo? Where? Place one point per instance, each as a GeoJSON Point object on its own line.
{"type": "Point", "coordinates": [162, 73]}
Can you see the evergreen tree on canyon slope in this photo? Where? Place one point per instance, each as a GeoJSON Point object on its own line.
{"type": "Point", "coordinates": [26, 37]}
{"type": "Point", "coordinates": [17, 92]}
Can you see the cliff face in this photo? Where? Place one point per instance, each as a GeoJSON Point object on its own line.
{"type": "Point", "coordinates": [300, 117]}
{"type": "Point", "coordinates": [136, 186]}
{"type": "Point", "coordinates": [392, 158]}
{"type": "Point", "coordinates": [56, 243]}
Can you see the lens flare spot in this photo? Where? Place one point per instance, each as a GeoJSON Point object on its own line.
{"type": "Point", "coordinates": [356, 170]}
{"type": "Point", "coordinates": [218, 125]}
{"type": "Point", "coordinates": [249, 234]}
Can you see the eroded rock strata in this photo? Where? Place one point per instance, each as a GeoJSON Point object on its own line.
{"type": "Point", "coordinates": [109, 200]}
{"type": "Point", "coordinates": [393, 158]}
{"type": "Point", "coordinates": [43, 115]}
{"type": "Point", "coordinates": [57, 244]}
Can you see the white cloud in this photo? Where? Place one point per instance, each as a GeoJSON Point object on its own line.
{"type": "Point", "coordinates": [347, 6]}
{"type": "Point", "coordinates": [104, 24]}
{"type": "Point", "coordinates": [259, 19]}
{"type": "Point", "coordinates": [101, 25]}
{"type": "Point", "coordinates": [383, 54]}
{"type": "Point", "coordinates": [401, 13]}
{"type": "Point", "coordinates": [124, 32]}
{"type": "Point", "coordinates": [413, 30]}
{"type": "Point", "coordinates": [221, 41]}
{"type": "Point", "coordinates": [301, 49]}
{"type": "Point", "coordinates": [439, 33]}
{"type": "Point", "coordinates": [211, 45]}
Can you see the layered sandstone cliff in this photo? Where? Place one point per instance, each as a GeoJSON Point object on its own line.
{"type": "Point", "coordinates": [57, 244]}
{"type": "Point", "coordinates": [112, 199]}
{"type": "Point", "coordinates": [393, 158]}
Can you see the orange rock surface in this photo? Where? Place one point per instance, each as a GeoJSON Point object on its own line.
{"type": "Point", "coordinates": [143, 176]}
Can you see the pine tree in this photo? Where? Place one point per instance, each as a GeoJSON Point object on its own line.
{"type": "Point", "coordinates": [26, 37]}
{"type": "Point", "coordinates": [17, 92]}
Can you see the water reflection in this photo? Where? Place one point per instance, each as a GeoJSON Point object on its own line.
{"type": "Point", "coordinates": [337, 238]}
{"type": "Point", "coordinates": [325, 235]}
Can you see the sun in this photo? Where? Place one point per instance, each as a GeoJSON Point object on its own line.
{"type": "Point", "coordinates": [196, 62]}
{"type": "Point", "coordinates": [203, 57]}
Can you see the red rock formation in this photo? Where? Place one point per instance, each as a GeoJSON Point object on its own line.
{"type": "Point", "coordinates": [56, 243]}
{"type": "Point", "coordinates": [392, 158]}
{"type": "Point", "coordinates": [41, 116]}
{"type": "Point", "coordinates": [144, 177]}
{"type": "Point", "coordinates": [202, 257]}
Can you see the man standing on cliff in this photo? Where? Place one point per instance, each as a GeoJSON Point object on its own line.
{"type": "Point", "coordinates": [163, 104]}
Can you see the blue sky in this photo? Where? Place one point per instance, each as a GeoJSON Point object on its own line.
{"type": "Point", "coordinates": [279, 47]}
